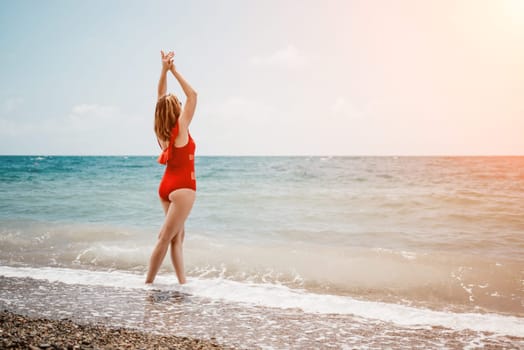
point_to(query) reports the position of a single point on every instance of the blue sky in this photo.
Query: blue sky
(330, 77)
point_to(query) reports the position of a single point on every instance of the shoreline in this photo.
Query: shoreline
(37, 313)
(24, 332)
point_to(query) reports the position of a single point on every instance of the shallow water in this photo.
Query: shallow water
(171, 311)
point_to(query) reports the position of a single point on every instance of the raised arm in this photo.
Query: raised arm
(191, 98)
(166, 63)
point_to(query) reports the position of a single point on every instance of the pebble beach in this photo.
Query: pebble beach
(22, 332)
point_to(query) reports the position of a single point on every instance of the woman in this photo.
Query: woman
(178, 185)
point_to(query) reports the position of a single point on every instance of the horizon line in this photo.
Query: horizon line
(267, 155)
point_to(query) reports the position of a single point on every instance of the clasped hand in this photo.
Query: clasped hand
(167, 60)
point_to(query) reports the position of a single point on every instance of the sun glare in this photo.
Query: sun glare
(514, 9)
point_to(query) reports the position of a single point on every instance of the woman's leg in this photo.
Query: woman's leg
(177, 257)
(182, 200)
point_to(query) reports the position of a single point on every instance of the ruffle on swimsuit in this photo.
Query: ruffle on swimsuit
(166, 153)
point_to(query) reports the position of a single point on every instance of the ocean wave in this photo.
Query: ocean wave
(437, 280)
(278, 296)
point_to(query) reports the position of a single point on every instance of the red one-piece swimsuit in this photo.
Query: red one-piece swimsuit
(180, 166)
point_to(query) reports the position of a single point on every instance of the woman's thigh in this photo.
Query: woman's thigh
(181, 204)
(165, 205)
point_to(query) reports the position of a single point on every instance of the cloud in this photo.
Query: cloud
(244, 110)
(93, 117)
(81, 118)
(86, 129)
(94, 109)
(236, 124)
(234, 106)
(341, 107)
(12, 103)
(287, 57)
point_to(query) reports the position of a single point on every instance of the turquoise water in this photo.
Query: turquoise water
(437, 232)
(80, 189)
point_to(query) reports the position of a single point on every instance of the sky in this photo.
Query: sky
(286, 77)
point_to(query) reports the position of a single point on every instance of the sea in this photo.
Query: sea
(281, 252)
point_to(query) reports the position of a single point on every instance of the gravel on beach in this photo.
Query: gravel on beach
(22, 332)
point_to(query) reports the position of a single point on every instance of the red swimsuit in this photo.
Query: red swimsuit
(180, 169)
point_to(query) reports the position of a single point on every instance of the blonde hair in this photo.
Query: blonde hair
(167, 111)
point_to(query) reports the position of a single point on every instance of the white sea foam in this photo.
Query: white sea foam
(272, 295)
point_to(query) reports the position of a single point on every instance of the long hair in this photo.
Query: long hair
(167, 111)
